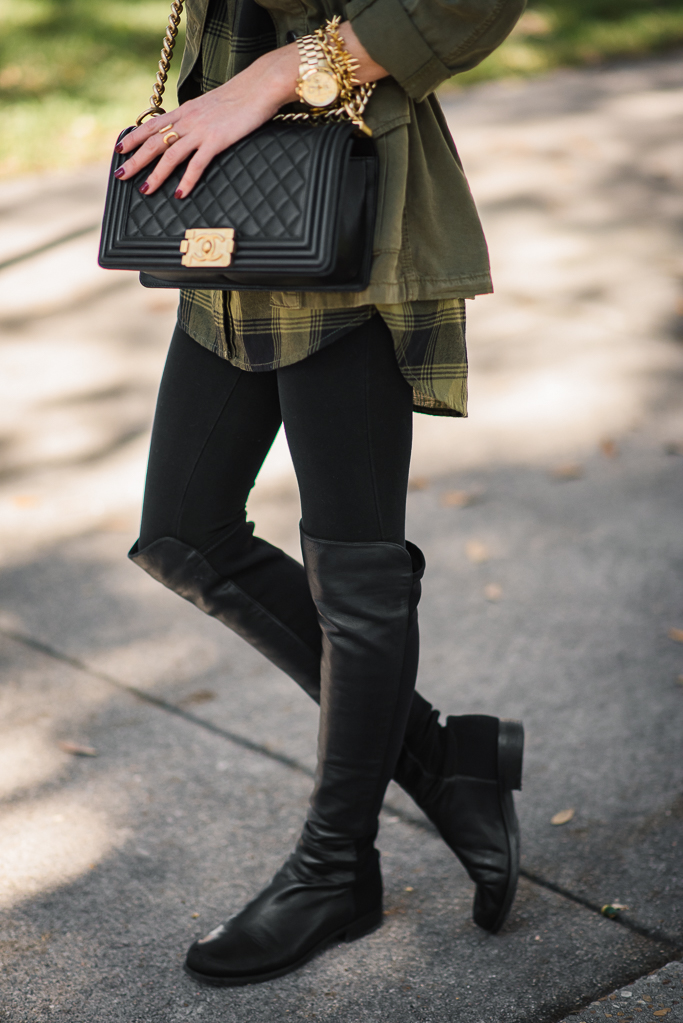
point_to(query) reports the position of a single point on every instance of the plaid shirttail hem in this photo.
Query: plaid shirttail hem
(429, 338)
(431, 351)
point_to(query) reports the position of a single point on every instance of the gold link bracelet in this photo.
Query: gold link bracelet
(353, 97)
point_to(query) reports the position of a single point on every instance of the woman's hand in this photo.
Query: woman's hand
(212, 122)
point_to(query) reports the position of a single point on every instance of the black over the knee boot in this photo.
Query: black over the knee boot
(330, 888)
(188, 573)
(461, 774)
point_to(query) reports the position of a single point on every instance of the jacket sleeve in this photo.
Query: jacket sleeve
(421, 43)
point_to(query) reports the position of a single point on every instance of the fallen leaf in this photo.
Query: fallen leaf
(568, 471)
(676, 634)
(409, 889)
(660, 1012)
(459, 498)
(492, 591)
(680, 679)
(76, 749)
(674, 447)
(609, 447)
(418, 483)
(25, 500)
(200, 696)
(477, 551)
(562, 817)
(195, 916)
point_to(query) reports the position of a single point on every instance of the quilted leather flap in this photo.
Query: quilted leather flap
(262, 186)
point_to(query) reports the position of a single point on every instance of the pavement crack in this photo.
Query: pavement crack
(154, 701)
(673, 944)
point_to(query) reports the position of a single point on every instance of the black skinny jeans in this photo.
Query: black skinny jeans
(347, 413)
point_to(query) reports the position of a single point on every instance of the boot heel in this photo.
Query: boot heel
(510, 754)
(366, 924)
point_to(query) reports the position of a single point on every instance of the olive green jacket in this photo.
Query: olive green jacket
(428, 240)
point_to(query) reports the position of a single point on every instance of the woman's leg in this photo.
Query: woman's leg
(348, 415)
(354, 402)
(213, 427)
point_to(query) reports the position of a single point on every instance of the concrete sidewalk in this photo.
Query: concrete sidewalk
(551, 523)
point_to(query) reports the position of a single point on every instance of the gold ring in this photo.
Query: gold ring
(167, 128)
(171, 137)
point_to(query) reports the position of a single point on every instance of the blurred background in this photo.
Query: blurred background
(72, 72)
(550, 520)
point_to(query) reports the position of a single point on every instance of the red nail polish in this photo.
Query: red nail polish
(144, 188)
(119, 173)
(119, 147)
(178, 194)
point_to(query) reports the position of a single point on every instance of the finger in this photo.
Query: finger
(145, 131)
(148, 151)
(173, 156)
(196, 167)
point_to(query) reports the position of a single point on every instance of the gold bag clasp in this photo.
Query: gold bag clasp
(208, 246)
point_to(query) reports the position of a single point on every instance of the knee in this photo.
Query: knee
(233, 549)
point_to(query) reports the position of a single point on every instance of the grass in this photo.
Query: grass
(561, 33)
(74, 72)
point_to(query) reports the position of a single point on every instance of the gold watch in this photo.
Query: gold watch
(317, 84)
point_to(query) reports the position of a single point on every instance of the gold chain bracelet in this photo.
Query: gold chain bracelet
(353, 96)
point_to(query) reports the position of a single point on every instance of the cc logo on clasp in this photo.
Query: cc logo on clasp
(208, 246)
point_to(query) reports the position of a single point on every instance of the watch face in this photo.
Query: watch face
(319, 89)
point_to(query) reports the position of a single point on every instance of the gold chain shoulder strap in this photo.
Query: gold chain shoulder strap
(155, 108)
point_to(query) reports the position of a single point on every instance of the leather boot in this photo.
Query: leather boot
(453, 776)
(462, 775)
(187, 572)
(330, 888)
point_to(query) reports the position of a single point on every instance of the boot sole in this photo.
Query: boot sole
(510, 757)
(512, 832)
(358, 929)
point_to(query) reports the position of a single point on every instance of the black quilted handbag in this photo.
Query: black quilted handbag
(291, 207)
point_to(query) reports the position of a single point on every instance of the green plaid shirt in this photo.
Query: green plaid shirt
(256, 331)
